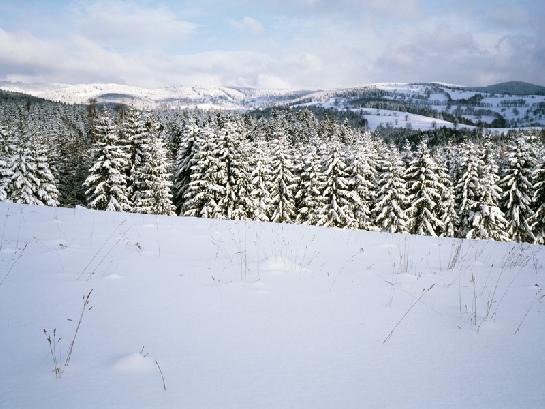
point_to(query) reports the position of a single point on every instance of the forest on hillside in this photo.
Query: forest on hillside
(285, 166)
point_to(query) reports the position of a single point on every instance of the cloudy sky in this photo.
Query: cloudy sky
(275, 44)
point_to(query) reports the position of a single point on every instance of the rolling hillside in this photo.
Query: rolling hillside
(507, 105)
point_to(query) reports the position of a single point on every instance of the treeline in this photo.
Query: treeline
(286, 167)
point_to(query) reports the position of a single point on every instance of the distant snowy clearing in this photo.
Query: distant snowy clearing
(198, 313)
(396, 119)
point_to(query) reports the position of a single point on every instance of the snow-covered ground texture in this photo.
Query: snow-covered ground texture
(261, 315)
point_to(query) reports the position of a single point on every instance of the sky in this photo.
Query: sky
(311, 44)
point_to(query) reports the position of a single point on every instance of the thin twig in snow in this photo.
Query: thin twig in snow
(537, 298)
(424, 292)
(12, 266)
(85, 304)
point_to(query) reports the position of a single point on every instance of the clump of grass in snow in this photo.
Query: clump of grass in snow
(53, 340)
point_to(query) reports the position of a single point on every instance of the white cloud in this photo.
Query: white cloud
(247, 23)
(24, 57)
(351, 8)
(130, 24)
(317, 49)
(443, 54)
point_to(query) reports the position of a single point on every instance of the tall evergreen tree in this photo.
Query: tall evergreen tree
(184, 159)
(424, 193)
(23, 184)
(311, 186)
(31, 180)
(489, 222)
(447, 205)
(339, 198)
(6, 152)
(234, 201)
(363, 172)
(468, 190)
(392, 198)
(538, 220)
(137, 139)
(47, 191)
(203, 193)
(259, 194)
(107, 184)
(151, 178)
(517, 191)
(282, 181)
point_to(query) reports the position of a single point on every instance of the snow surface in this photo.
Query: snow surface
(262, 315)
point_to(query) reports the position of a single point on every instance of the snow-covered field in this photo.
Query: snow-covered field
(396, 119)
(260, 315)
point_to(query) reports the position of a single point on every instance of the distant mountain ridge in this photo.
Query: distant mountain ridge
(422, 105)
(511, 87)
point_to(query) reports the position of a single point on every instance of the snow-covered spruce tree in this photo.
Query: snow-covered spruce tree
(6, 153)
(424, 193)
(311, 186)
(392, 197)
(448, 203)
(234, 201)
(538, 220)
(468, 189)
(151, 178)
(202, 195)
(47, 191)
(106, 184)
(23, 183)
(31, 180)
(259, 195)
(282, 181)
(186, 151)
(339, 199)
(517, 190)
(489, 221)
(137, 139)
(363, 173)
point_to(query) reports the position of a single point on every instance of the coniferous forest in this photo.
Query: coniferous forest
(284, 166)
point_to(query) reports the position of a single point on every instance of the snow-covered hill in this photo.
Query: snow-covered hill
(219, 314)
(443, 104)
(167, 97)
(447, 103)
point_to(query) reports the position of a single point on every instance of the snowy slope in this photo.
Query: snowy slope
(260, 315)
(396, 119)
(147, 98)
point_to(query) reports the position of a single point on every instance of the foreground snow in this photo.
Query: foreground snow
(259, 315)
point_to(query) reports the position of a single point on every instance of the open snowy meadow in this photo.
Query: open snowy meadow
(177, 312)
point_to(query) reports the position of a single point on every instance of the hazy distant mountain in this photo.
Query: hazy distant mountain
(511, 87)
